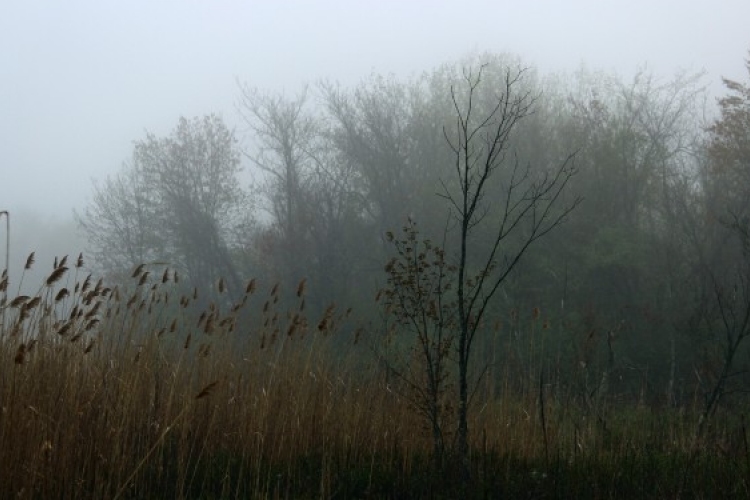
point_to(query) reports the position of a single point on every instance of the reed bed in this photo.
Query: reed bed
(156, 390)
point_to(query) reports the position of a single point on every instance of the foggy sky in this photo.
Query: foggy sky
(81, 80)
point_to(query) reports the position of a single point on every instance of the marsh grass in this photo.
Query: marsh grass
(134, 392)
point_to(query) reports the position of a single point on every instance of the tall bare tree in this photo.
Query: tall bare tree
(527, 208)
(499, 209)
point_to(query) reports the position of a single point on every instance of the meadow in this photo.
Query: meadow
(156, 390)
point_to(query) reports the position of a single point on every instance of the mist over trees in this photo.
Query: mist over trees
(178, 202)
(642, 295)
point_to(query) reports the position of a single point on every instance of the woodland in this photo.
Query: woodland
(478, 282)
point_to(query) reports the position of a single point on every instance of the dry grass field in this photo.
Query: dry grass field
(139, 393)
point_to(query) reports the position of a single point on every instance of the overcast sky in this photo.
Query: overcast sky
(81, 80)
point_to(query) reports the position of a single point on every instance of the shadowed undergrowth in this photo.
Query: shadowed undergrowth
(138, 392)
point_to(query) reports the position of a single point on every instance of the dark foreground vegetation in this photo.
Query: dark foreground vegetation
(477, 284)
(128, 393)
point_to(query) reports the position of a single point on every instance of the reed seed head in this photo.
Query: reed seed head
(29, 261)
(138, 270)
(56, 275)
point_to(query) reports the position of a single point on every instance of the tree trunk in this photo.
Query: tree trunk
(463, 410)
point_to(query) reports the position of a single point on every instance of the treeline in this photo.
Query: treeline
(642, 295)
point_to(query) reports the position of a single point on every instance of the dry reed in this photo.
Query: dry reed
(134, 396)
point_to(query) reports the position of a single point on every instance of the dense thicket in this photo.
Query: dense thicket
(639, 296)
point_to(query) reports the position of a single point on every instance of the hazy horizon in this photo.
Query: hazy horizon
(83, 80)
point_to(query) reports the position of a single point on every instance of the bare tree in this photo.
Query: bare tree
(498, 209)
(121, 223)
(528, 207)
(373, 131)
(177, 202)
(286, 138)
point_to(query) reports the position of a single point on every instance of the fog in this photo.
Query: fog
(366, 248)
(81, 80)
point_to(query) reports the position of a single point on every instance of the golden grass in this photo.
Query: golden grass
(115, 392)
(129, 392)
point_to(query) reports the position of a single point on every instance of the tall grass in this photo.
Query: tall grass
(133, 392)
